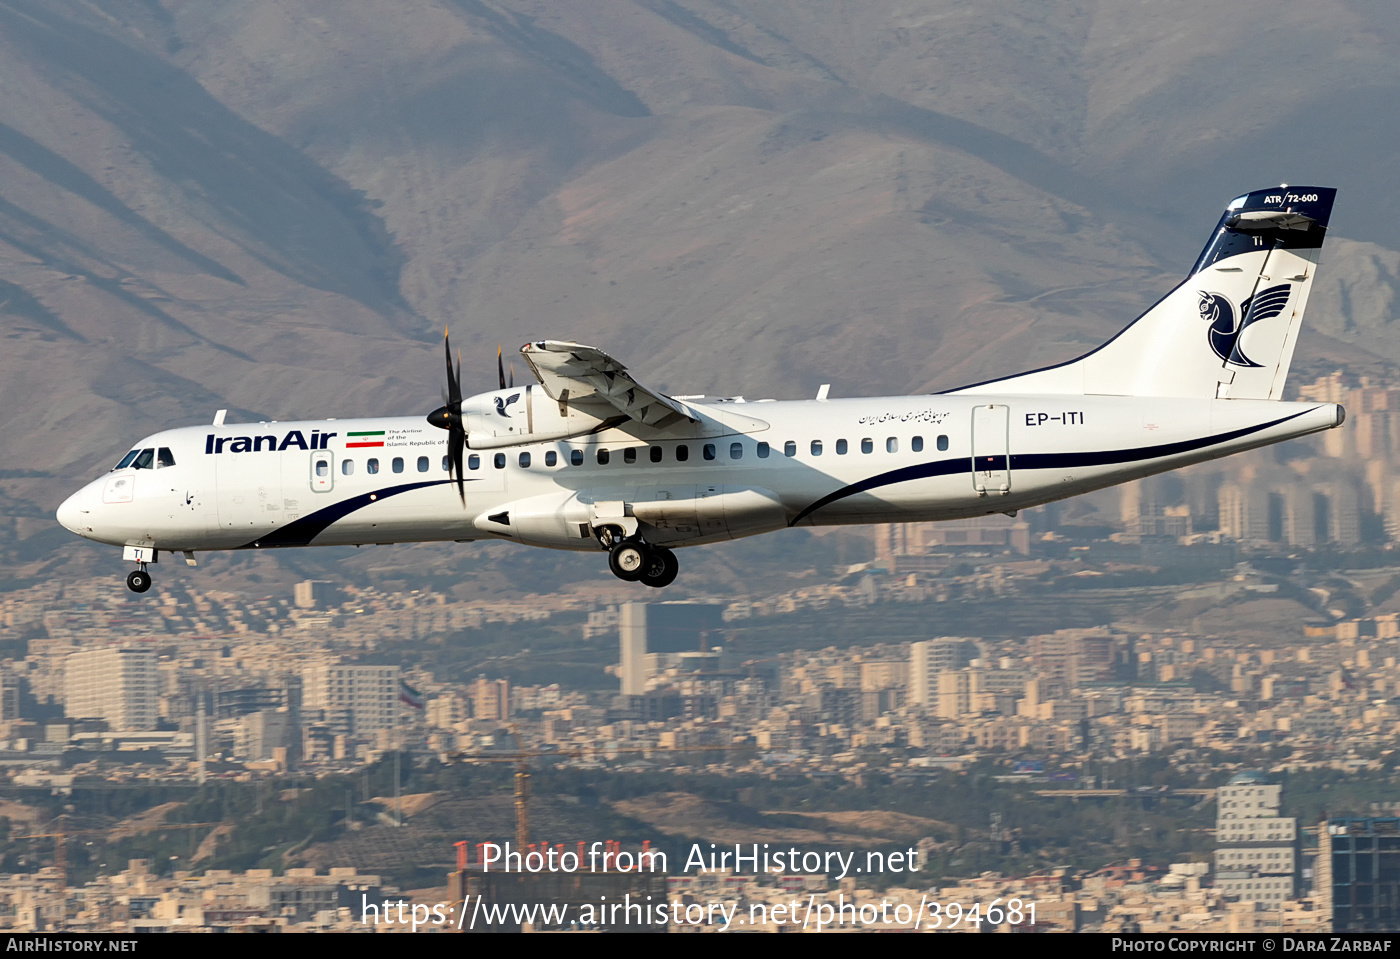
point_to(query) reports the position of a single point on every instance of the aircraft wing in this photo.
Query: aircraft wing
(574, 373)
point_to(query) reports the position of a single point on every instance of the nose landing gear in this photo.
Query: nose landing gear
(633, 560)
(139, 580)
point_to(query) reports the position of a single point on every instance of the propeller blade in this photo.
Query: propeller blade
(500, 367)
(456, 441)
(512, 374)
(454, 378)
(449, 417)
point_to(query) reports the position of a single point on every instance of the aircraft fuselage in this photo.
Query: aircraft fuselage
(814, 462)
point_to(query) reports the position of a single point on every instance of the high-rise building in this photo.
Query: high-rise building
(361, 699)
(257, 736)
(313, 594)
(9, 698)
(1256, 854)
(1145, 513)
(1343, 514)
(118, 684)
(490, 698)
(1357, 879)
(653, 637)
(931, 657)
(1244, 512)
(1299, 516)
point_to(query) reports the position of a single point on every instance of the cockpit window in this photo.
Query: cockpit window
(164, 458)
(145, 461)
(126, 460)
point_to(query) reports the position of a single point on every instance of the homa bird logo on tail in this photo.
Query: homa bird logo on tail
(1224, 333)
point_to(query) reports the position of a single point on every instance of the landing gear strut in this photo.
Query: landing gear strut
(633, 560)
(138, 580)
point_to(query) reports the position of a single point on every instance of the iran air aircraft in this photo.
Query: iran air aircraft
(589, 458)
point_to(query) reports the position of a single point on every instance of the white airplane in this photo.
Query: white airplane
(590, 458)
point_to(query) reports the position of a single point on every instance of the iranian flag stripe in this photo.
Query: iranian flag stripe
(364, 438)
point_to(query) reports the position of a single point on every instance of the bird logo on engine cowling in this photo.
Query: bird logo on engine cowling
(503, 402)
(1224, 333)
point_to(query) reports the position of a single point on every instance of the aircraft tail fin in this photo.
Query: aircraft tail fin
(1228, 331)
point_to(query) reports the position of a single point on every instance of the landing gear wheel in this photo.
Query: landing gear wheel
(138, 581)
(660, 568)
(628, 559)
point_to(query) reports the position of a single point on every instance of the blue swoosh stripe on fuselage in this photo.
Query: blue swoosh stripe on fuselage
(302, 531)
(1033, 461)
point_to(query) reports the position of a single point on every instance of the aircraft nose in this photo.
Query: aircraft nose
(71, 514)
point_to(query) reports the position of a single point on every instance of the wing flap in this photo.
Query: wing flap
(574, 373)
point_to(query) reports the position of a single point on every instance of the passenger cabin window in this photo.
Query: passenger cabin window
(603, 457)
(816, 447)
(422, 464)
(127, 460)
(499, 461)
(323, 468)
(867, 445)
(682, 453)
(943, 442)
(840, 447)
(736, 451)
(709, 451)
(347, 467)
(524, 460)
(891, 445)
(576, 457)
(551, 458)
(165, 458)
(655, 454)
(762, 451)
(397, 464)
(473, 462)
(372, 466)
(790, 448)
(444, 464)
(629, 455)
(917, 444)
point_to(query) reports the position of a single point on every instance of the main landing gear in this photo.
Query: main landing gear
(634, 560)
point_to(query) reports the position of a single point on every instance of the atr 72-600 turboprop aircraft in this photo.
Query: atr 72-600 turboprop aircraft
(590, 458)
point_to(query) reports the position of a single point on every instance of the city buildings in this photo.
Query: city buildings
(1256, 855)
(116, 684)
(1358, 873)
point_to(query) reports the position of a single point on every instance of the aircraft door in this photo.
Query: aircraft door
(322, 471)
(250, 492)
(991, 454)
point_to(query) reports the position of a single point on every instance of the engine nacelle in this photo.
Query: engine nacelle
(526, 414)
(666, 515)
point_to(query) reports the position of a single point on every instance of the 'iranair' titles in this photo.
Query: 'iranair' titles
(293, 440)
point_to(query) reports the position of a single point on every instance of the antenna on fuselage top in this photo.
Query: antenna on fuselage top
(219, 417)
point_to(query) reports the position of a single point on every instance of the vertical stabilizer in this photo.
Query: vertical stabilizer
(1229, 330)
